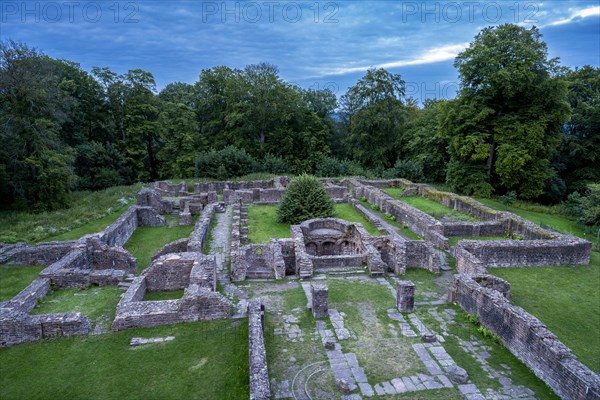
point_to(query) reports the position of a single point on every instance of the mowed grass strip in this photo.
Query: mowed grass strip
(436, 209)
(146, 240)
(207, 360)
(94, 302)
(263, 225)
(566, 299)
(395, 192)
(14, 278)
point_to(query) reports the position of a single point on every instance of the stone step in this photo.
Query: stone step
(124, 285)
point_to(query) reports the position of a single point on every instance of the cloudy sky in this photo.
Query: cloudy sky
(314, 44)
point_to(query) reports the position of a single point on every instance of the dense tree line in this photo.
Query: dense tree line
(520, 124)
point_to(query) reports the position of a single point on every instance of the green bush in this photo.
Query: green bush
(229, 162)
(274, 165)
(331, 167)
(407, 169)
(305, 198)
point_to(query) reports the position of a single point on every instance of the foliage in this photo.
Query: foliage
(373, 115)
(226, 163)
(407, 169)
(590, 206)
(305, 198)
(333, 167)
(509, 198)
(274, 165)
(506, 122)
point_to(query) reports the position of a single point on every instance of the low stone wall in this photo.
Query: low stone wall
(119, 232)
(526, 337)
(149, 197)
(42, 254)
(170, 272)
(200, 301)
(474, 256)
(219, 187)
(257, 354)
(238, 270)
(18, 327)
(172, 189)
(200, 233)
(177, 246)
(489, 228)
(27, 298)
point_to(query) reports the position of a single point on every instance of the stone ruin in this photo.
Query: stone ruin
(315, 246)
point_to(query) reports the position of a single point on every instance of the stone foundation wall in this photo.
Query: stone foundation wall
(527, 338)
(170, 272)
(17, 327)
(27, 298)
(42, 254)
(200, 233)
(475, 256)
(238, 270)
(257, 354)
(177, 246)
(174, 189)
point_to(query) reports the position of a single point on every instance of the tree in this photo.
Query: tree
(180, 138)
(509, 113)
(373, 114)
(305, 198)
(36, 166)
(579, 152)
(427, 144)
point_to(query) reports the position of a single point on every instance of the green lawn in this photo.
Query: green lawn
(560, 223)
(395, 192)
(145, 240)
(436, 209)
(88, 212)
(454, 239)
(347, 212)
(163, 295)
(263, 225)
(94, 302)
(207, 360)
(566, 299)
(403, 229)
(14, 278)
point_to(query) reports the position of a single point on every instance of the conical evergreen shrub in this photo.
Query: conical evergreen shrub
(305, 198)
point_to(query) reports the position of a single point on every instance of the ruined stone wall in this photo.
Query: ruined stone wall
(304, 264)
(327, 262)
(170, 272)
(204, 273)
(257, 354)
(270, 196)
(200, 233)
(172, 189)
(528, 339)
(177, 246)
(198, 304)
(490, 228)
(219, 187)
(289, 255)
(238, 266)
(119, 232)
(473, 255)
(27, 298)
(73, 270)
(42, 254)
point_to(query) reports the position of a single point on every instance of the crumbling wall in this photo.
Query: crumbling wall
(170, 272)
(177, 246)
(473, 255)
(200, 233)
(257, 354)
(527, 338)
(42, 254)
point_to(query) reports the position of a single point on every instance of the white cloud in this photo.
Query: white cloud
(436, 54)
(583, 13)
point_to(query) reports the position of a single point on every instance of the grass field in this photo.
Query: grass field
(94, 302)
(89, 212)
(566, 299)
(395, 192)
(455, 239)
(207, 360)
(163, 295)
(14, 278)
(436, 209)
(146, 240)
(263, 225)
(403, 229)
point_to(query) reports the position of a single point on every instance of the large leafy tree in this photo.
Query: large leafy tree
(373, 114)
(579, 156)
(507, 120)
(35, 166)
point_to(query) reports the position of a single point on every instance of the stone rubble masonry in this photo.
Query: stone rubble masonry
(198, 237)
(525, 336)
(539, 247)
(474, 256)
(320, 300)
(185, 216)
(261, 261)
(405, 299)
(178, 246)
(259, 373)
(171, 189)
(238, 268)
(194, 272)
(149, 197)
(42, 254)
(17, 326)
